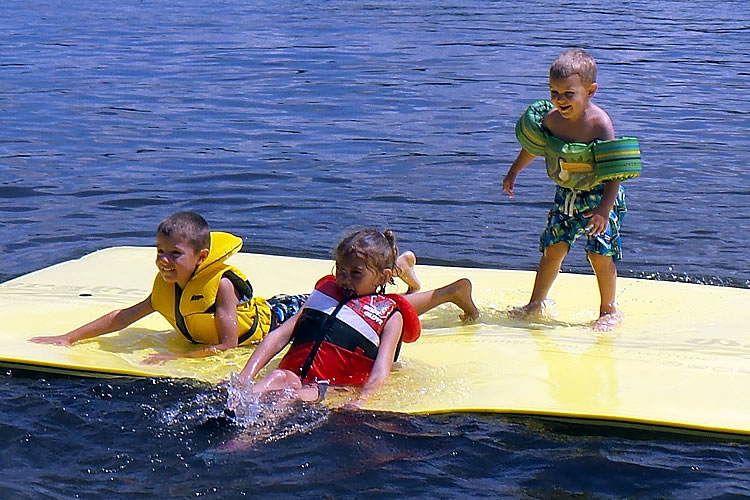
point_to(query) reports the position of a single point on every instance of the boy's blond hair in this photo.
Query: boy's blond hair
(189, 226)
(572, 62)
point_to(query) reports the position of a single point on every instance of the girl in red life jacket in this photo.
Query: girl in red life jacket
(349, 331)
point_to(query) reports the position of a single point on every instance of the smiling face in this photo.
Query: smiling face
(570, 96)
(355, 278)
(176, 260)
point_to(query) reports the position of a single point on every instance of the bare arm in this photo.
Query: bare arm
(384, 360)
(269, 347)
(226, 326)
(110, 322)
(599, 216)
(521, 161)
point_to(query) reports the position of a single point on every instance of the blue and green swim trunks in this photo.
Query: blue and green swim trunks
(284, 307)
(565, 222)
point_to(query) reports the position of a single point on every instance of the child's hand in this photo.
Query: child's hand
(598, 221)
(509, 182)
(158, 359)
(62, 340)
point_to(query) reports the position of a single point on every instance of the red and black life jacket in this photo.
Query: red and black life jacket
(338, 340)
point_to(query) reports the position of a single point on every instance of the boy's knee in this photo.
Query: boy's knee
(292, 380)
(557, 251)
(597, 259)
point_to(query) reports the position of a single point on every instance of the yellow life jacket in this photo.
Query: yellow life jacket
(577, 165)
(192, 311)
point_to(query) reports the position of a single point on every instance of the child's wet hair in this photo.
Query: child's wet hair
(378, 249)
(574, 62)
(189, 226)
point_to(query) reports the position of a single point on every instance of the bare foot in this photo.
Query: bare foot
(607, 322)
(530, 310)
(405, 265)
(461, 296)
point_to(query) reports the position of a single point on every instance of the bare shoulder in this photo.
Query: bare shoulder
(601, 123)
(394, 325)
(227, 293)
(555, 123)
(551, 118)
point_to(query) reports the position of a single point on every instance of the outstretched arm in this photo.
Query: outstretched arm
(521, 161)
(110, 322)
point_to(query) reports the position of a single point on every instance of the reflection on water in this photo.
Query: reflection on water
(289, 127)
(585, 379)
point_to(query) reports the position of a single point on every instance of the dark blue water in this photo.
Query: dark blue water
(290, 123)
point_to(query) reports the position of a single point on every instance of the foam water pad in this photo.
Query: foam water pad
(680, 357)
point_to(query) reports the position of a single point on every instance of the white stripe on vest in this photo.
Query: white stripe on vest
(319, 301)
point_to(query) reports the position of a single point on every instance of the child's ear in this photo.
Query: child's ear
(387, 276)
(202, 255)
(592, 89)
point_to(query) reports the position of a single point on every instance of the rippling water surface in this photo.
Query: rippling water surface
(289, 123)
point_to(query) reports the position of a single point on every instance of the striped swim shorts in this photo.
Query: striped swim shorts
(284, 307)
(565, 222)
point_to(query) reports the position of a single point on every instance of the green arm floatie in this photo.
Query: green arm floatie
(576, 165)
(618, 159)
(529, 131)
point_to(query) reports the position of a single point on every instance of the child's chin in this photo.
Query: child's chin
(169, 279)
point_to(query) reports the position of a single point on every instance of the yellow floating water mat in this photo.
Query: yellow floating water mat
(680, 358)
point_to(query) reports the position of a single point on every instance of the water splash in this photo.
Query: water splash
(690, 278)
(264, 418)
(253, 419)
(197, 410)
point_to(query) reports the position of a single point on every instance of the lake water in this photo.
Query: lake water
(290, 123)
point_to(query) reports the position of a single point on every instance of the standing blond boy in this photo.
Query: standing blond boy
(587, 163)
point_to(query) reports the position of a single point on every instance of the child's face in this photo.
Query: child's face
(176, 260)
(570, 96)
(355, 278)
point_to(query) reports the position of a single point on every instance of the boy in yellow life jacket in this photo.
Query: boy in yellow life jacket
(208, 301)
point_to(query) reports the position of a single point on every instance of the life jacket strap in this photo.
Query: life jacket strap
(324, 329)
(178, 318)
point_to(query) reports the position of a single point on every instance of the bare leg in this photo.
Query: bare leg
(549, 267)
(606, 278)
(277, 380)
(284, 379)
(405, 266)
(458, 292)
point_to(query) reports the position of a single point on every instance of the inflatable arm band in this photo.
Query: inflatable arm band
(617, 159)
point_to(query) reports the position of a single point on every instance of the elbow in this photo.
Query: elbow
(116, 321)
